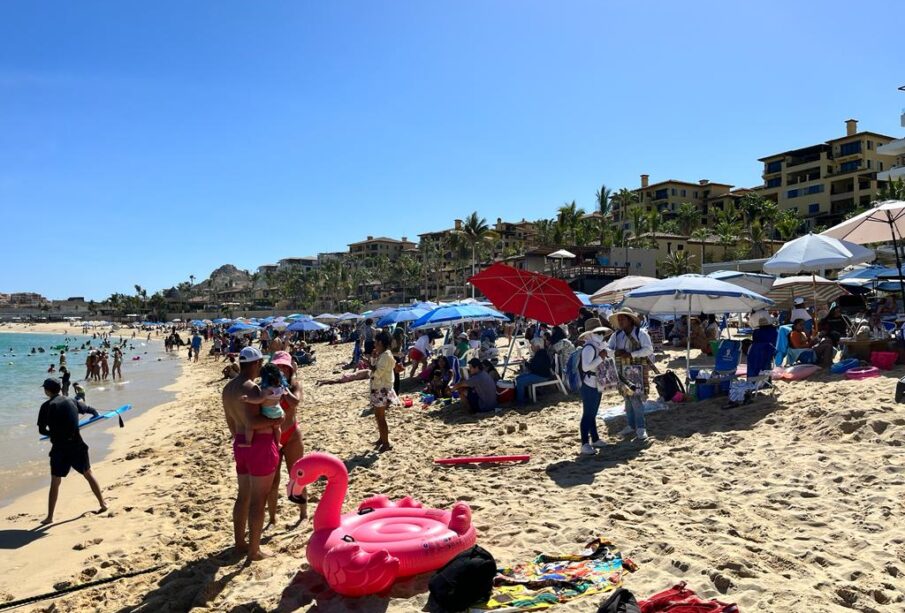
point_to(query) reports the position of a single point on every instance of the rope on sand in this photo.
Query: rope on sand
(75, 588)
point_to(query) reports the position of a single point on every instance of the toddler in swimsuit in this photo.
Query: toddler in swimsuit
(273, 386)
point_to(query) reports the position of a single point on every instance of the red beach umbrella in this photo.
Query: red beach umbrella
(529, 294)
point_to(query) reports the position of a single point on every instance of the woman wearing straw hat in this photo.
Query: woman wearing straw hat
(632, 347)
(592, 356)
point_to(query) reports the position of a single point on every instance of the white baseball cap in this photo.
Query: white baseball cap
(250, 354)
(798, 301)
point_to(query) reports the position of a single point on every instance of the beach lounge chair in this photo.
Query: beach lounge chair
(556, 380)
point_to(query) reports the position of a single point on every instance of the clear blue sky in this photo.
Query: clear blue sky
(141, 142)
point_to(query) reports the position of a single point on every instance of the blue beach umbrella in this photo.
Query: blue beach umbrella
(584, 298)
(457, 313)
(306, 325)
(402, 314)
(241, 328)
(222, 320)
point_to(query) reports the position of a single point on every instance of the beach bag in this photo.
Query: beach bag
(620, 601)
(678, 599)
(668, 385)
(465, 580)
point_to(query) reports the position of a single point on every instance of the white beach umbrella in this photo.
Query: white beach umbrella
(691, 295)
(816, 253)
(884, 222)
(613, 293)
(755, 281)
(562, 254)
(786, 289)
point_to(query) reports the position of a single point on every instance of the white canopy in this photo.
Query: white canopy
(562, 254)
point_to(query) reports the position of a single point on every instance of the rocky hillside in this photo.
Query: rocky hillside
(226, 277)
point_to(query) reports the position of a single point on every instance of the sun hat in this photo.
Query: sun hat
(614, 318)
(592, 325)
(761, 318)
(281, 358)
(250, 354)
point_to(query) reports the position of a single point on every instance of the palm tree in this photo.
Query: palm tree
(638, 222)
(892, 190)
(675, 264)
(688, 217)
(787, 224)
(475, 231)
(569, 217)
(603, 197)
(702, 234)
(543, 232)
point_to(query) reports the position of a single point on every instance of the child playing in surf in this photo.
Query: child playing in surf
(273, 386)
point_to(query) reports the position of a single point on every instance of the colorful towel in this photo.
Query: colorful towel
(553, 579)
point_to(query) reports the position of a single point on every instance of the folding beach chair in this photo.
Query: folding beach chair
(728, 355)
(556, 380)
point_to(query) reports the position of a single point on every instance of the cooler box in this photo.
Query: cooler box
(884, 360)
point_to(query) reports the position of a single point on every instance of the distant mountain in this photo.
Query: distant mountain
(226, 277)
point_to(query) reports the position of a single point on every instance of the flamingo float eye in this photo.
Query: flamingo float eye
(299, 473)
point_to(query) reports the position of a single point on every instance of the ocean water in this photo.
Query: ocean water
(24, 463)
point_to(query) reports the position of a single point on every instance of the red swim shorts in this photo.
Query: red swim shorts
(415, 355)
(260, 459)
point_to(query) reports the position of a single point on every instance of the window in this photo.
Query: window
(696, 194)
(680, 247)
(849, 166)
(870, 145)
(660, 194)
(792, 193)
(673, 191)
(813, 208)
(772, 167)
(868, 163)
(881, 165)
(774, 182)
(668, 247)
(683, 193)
(850, 148)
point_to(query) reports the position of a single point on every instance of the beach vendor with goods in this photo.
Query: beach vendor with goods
(255, 463)
(58, 418)
(593, 355)
(631, 346)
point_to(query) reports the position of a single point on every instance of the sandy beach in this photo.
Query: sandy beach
(792, 504)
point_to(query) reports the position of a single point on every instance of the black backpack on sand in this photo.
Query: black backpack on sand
(465, 580)
(668, 384)
(620, 601)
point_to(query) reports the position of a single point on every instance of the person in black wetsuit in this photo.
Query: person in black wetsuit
(59, 419)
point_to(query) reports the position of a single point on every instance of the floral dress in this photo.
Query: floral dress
(382, 393)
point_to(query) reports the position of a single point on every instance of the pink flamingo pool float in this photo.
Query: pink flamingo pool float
(366, 551)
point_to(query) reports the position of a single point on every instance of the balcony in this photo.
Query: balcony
(805, 159)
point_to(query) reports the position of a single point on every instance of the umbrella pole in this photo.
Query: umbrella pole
(895, 247)
(688, 342)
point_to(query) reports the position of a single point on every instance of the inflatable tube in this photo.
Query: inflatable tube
(865, 372)
(364, 552)
(100, 417)
(491, 459)
(844, 365)
(799, 372)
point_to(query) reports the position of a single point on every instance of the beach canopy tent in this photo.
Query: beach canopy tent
(813, 288)
(403, 314)
(453, 314)
(884, 222)
(614, 292)
(754, 281)
(529, 294)
(306, 325)
(241, 328)
(692, 295)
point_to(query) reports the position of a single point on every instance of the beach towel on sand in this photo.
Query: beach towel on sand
(549, 580)
(679, 599)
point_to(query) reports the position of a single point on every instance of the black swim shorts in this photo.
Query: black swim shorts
(66, 456)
